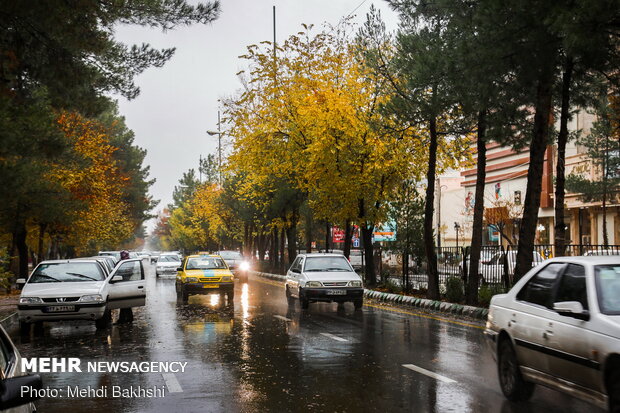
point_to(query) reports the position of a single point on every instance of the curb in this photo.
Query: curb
(441, 306)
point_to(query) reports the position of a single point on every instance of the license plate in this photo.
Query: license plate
(336, 292)
(210, 286)
(60, 308)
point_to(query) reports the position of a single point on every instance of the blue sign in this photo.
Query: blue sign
(356, 242)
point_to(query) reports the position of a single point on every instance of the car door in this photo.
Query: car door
(293, 275)
(131, 290)
(571, 341)
(531, 318)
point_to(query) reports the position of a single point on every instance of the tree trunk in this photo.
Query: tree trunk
(327, 234)
(369, 264)
(291, 234)
(22, 249)
(348, 235)
(261, 246)
(605, 176)
(429, 243)
(282, 239)
(527, 232)
(309, 232)
(476, 237)
(560, 170)
(246, 239)
(40, 252)
(273, 254)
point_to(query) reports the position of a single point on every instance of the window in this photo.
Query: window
(573, 285)
(206, 263)
(538, 289)
(608, 288)
(333, 263)
(67, 272)
(296, 264)
(130, 271)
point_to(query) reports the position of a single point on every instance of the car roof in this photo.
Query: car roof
(589, 260)
(65, 261)
(203, 255)
(320, 254)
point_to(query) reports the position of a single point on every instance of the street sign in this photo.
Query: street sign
(356, 242)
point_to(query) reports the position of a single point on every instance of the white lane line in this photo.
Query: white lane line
(428, 373)
(333, 337)
(172, 383)
(247, 323)
(279, 317)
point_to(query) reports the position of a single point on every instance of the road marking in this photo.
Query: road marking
(247, 323)
(172, 383)
(396, 310)
(428, 373)
(333, 337)
(276, 283)
(282, 318)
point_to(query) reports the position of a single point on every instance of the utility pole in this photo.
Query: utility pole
(200, 169)
(219, 148)
(274, 34)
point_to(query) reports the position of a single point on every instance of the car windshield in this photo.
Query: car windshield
(67, 272)
(168, 258)
(327, 264)
(230, 255)
(608, 288)
(205, 263)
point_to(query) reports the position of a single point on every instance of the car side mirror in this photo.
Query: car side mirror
(179, 269)
(295, 270)
(11, 390)
(571, 309)
(20, 282)
(116, 279)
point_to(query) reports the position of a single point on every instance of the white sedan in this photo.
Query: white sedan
(559, 326)
(79, 289)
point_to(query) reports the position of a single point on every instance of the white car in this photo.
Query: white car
(79, 289)
(167, 264)
(13, 379)
(493, 269)
(323, 277)
(559, 326)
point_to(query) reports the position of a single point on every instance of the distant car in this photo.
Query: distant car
(234, 260)
(167, 264)
(323, 277)
(115, 254)
(356, 259)
(79, 289)
(494, 267)
(602, 252)
(13, 379)
(203, 274)
(108, 262)
(559, 326)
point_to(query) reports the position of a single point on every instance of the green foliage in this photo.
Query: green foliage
(455, 289)
(5, 273)
(487, 291)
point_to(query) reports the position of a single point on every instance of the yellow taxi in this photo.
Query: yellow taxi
(203, 274)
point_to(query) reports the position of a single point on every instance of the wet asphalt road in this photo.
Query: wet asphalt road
(262, 355)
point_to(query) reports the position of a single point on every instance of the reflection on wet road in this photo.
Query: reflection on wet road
(259, 354)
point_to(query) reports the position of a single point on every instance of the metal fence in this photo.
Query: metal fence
(497, 263)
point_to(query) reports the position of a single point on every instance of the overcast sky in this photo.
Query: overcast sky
(178, 103)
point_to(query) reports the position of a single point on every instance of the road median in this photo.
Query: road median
(410, 301)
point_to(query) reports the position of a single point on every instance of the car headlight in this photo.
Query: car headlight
(226, 278)
(244, 266)
(92, 297)
(191, 280)
(355, 284)
(311, 284)
(30, 300)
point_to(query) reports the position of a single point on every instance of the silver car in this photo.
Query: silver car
(559, 326)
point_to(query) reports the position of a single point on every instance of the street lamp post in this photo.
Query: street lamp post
(457, 227)
(219, 146)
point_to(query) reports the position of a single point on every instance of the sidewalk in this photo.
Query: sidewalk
(458, 310)
(8, 310)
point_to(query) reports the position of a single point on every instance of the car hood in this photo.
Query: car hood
(207, 273)
(62, 289)
(332, 276)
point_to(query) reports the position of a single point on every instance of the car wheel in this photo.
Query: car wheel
(613, 389)
(184, 295)
(104, 321)
(24, 328)
(358, 303)
(230, 297)
(510, 380)
(305, 303)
